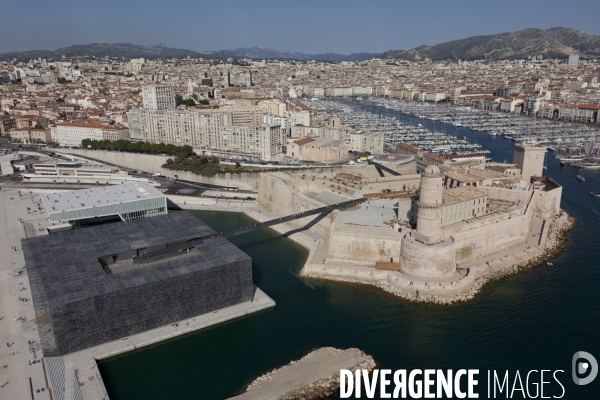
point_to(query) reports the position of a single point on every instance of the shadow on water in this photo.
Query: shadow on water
(536, 319)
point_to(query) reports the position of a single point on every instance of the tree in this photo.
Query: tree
(188, 102)
(187, 149)
(170, 161)
(38, 126)
(60, 100)
(238, 165)
(214, 160)
(205, 102)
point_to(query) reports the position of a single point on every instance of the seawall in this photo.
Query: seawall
(314, 376)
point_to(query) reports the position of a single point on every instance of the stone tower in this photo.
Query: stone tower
(530, 159)
(429, 205)
(427, 254)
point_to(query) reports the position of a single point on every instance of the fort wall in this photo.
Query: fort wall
(284, 198)
(427, 261)
(363, 245)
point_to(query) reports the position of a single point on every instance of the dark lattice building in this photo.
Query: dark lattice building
(97, 284)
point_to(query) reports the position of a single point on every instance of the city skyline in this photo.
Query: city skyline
(312, 28)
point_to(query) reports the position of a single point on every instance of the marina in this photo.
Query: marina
(556, 135)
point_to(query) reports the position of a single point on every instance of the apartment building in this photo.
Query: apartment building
(262, 142)
(158, 97)
(584, 113)
(299, 118)
(72, 133)
(315, 92)
(273, 107)
(31, 135)
(365, 142)
(199, 129)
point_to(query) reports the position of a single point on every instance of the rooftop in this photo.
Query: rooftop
(64, 267)
(461, 194)
(85, 198)
(464, 176)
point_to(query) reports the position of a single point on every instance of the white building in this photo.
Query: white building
(532, 105)
(262, 142)
(365, 142)
(573, 60)
(72, 133)
(340, 91)
(299, 118)
(284, 123)
(178, 127)
(315, 92)
(362, 91)
(158, 97)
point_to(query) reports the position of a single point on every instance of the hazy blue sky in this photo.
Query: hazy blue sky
(305, 26)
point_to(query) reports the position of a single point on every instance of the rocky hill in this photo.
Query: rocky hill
(260, 52)
(127, 50)
(554, 42)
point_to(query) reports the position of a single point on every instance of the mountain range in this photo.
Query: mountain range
(550, 43)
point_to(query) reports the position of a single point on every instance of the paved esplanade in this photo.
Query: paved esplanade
(23, 377)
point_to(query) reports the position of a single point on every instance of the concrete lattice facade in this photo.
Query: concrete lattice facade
(80, 303)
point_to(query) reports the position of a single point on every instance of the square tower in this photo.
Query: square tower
(530, 159)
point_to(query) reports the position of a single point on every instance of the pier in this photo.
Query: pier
(316, 375)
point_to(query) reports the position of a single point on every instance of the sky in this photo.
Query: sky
(306, 26)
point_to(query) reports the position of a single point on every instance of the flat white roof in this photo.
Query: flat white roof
(86, 198)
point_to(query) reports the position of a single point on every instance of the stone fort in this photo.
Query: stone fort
(422, 228)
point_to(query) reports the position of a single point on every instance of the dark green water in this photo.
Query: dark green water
(534, 320)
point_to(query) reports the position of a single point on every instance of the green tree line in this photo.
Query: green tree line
(138, 147)
(198, 166)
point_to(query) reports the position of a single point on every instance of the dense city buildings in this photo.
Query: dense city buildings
(203, 102)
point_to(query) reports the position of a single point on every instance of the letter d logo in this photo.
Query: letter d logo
(583, 367)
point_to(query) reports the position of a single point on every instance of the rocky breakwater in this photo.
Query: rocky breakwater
(314, 376)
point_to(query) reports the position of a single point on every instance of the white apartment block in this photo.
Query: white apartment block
(299, 118)
(158, 97)
(365, 142)
(435, 96)
(316, 92)
(340, 91)
(71, 134)
(262, 142)
(273, 107)
(532, 105)
(362, 91)
(200, 130)
(573, 60)
(283, 122)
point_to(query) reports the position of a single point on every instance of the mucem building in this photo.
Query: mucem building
(94, 285)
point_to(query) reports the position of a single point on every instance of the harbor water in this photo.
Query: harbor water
(534, 320)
